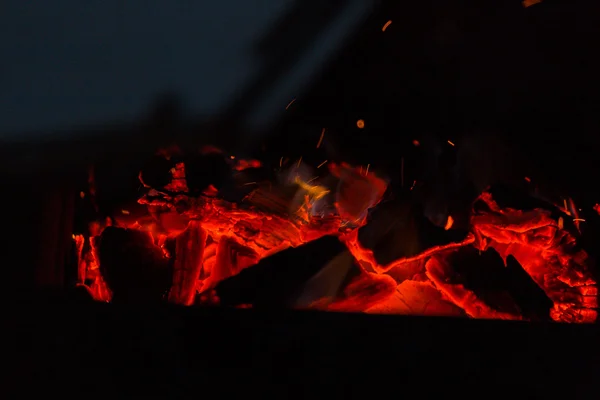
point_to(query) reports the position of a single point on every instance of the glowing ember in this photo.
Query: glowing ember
(529, 3)
(88, 271)
(208, 239)
(547, 252)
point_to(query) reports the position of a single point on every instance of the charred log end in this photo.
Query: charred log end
(134, 268)
(276, 280)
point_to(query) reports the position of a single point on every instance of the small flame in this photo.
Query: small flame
(316, 192)
(449, 223)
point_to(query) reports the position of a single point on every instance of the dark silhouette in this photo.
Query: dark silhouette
(80, 294)
(134, 269)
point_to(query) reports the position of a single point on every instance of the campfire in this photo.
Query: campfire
(510, 263)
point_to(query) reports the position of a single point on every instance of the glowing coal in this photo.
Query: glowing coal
(208, 239)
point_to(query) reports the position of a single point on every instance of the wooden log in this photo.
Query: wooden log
(189, 256)
(231, 259)
(546, 252)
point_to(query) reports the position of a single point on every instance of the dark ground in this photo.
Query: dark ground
(101, 350)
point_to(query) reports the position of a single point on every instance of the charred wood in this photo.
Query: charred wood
(276, 280)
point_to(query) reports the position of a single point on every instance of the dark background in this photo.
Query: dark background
(463, 68)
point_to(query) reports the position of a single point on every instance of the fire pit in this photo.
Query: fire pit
(206, 233)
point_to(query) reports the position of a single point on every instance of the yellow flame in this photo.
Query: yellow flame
(315, 192)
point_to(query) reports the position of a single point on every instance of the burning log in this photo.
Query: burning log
(417, 298)
(233, 250)
(326, 285)
(548, 253)
(357, 192)
(366, 257)
(189, 256)
(363, 292)
(228, 260)
(88, 269)
(276, 280)
(441, 273)
(244, 234)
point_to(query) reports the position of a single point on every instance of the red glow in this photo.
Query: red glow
(241, 165)
(548, 254)
(88, 273)
(216, 239)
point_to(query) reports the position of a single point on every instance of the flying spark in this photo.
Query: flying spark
(321, 138)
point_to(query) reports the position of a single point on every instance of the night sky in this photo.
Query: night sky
(67, 62)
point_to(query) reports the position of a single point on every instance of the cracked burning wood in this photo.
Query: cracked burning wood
(262, 232)
(218, 248)
(229, 259)
(189, 258)
(548, 254)
(440, 272)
